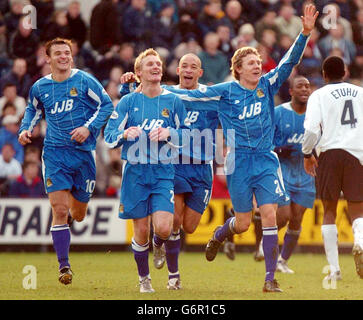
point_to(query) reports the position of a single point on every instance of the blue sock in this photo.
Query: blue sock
(270, 250)
(290, 242)
(172, 249)
(157, 241)
(141, 255)
(61, 241)
(226, 230)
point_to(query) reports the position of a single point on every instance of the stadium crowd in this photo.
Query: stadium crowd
(118, 30)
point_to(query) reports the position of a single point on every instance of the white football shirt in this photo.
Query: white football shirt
(335, 114)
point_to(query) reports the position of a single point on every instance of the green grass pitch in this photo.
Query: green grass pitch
(113, 276)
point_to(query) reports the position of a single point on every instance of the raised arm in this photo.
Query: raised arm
(277, 76)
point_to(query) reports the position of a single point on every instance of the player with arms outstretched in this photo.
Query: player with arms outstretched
(247, 107)
(76, 107)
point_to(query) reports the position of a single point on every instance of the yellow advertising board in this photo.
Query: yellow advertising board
(310, 233)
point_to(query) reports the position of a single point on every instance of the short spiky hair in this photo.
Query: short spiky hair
(55, 41)
(142, 55)
(239, 54)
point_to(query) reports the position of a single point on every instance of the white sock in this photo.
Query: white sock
(330, 236)
(357, 228)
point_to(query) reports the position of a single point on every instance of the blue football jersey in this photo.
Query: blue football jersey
(247, 116)
(289, 133)
(136, 109)
(202, 142)
(77, 101)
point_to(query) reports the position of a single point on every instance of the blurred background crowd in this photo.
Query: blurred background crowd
(107, 35)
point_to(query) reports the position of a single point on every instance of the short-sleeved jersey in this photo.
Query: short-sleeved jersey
(136, 109)
(289, 132)
(335, 112)
(77, 101)
(247, 115)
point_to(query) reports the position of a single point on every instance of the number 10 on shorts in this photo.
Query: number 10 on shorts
(90, 185)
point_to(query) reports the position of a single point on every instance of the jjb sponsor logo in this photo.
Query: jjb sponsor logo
(250, 111)
(296, 138)
(63, 106)
(192, 116)
(151, 124)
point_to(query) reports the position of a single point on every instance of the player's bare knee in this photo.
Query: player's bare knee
(78, 215)
(163, 231)
(188, 228)
(60, 210)
(241, 226)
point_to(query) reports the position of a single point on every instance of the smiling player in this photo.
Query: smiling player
(76, 107)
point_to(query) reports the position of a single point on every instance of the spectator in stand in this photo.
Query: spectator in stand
(8, 109)
(187, 26)
(4, 59)
(166, 36)
(266, 22)
(137, 25)
(112, 89)
(127, 57)
(10, 96)
(33, 154)
(9, 134)
(29, 184)
(215, 64)
(211, 16)
(287, 22)
(225, 45)
(234, 15)
(357, 28)
(105, 26)
(77, 26)
(23, 43)
(12, 17)
(10, 168)
(44, 10)
(356, 69)
(336, 39)
(267, 62)
(245, 37)
(261, 7)
(270, 40)
(58, 26)
(19, 76)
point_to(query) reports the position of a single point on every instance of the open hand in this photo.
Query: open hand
(309, 18)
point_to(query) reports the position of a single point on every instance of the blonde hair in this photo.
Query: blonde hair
(239, 54)
(140, 57)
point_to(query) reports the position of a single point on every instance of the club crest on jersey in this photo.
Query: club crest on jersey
(73, 92)
(260, 93)
(49, 182)
(165, 113)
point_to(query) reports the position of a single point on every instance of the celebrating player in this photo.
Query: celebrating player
(334, 118)
(247, 106)
(76, 107)
(142, 123)
(193, 181)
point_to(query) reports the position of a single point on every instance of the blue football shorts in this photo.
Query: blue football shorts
(145, 189)
(195, 182)
(304, 196)
(69, 169)
(254, 173)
